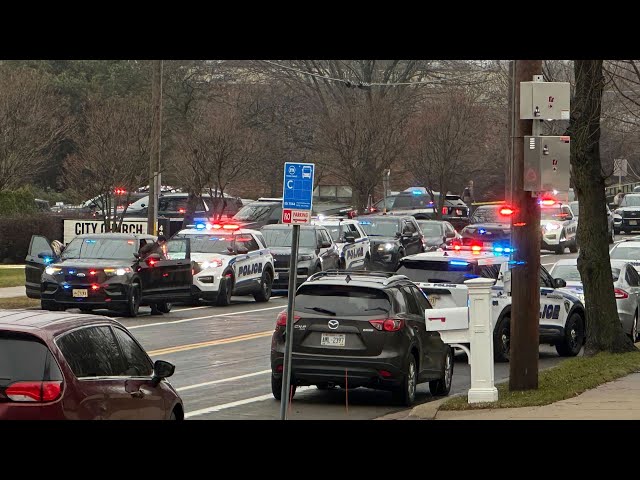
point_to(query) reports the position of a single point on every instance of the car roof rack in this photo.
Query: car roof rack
(388, 276)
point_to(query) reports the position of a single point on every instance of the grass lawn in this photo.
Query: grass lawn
(11, 277)
(19, 302)
(568, 379)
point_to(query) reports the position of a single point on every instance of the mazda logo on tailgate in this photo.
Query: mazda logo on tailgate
(333, 324)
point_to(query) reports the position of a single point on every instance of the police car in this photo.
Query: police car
(558, 227)
(229, 261)
(441, 276)
(351, 240)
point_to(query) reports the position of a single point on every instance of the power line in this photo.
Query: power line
(360, 84)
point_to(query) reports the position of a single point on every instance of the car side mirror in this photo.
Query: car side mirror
(559, 283)
(242, 250)
(349, 237)
(325, 244)
(161, 370)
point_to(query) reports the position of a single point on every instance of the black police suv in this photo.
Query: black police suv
(629, 211)
(488, 227)
(105, 271)
(316, 252)
(366, 329)
(392, 237)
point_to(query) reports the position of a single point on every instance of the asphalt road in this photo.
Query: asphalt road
(222, 363)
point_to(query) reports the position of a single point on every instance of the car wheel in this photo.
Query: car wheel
(342, 264)
(276, 388)
(133, 301)
(405, 395)
(634, 328)
(442, 386)
(164, 307)
(173, 416)
(611, 238)
(264, 294)
(225, 291)
(367, 263)
(573, 248)
(558, 249)
(502, 340)
(573, 337)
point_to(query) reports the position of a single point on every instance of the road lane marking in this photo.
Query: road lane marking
(203, 306)
(210, 343)
(223, 380)
(203, 318)
(237, 403)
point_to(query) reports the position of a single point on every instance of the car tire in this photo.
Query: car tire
(173, 415)
(634, 328)
(612, 238)
(367, 263)
(225, 291)
(558, 249)
(342, 264)
(164, 307)
(133, 301)
(573, 248)
(502, 339)
(266, 282)
(442, 386)
(405, 395)
(276, 388)
(573, 336)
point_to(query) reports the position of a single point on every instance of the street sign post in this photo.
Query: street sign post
(297, 202)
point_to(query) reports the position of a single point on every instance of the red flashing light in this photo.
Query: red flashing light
(620, 294)
(92, 272)
(476, 248)
(216, 226)
(151, 262)
(120, 191)
(547, 202)
(230, 227)
(457, 248)
(281, 321)
(34, 391)
(506, 211)
(444, 210)
(95, 287)
(181, 210)
(520, 224)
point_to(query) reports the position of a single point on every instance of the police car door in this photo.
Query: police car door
(355, 253)
(39, 256)
(327, 250)
(249, 263)
(176, 270)
(570, 224)
(553, 305)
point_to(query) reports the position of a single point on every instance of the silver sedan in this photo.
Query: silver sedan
(626, 285)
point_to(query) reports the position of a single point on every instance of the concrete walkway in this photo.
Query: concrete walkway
(9, 292)
(617, 400)
(11, 266)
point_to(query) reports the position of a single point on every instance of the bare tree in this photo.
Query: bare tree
(603, 329)
(33, 122)
(112, 153)
(215, 149)
(444, 137)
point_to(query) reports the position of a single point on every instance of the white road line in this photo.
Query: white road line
(189, 308)
(203, 318)
(230, 379)
(237, 403)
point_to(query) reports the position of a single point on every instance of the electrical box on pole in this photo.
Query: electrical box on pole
(547, 164)
(544, 100)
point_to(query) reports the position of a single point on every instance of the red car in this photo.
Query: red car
(56, 366)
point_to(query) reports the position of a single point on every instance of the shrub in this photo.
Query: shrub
(17, 202)
(16, 232)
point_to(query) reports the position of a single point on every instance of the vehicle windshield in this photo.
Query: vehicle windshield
(281, 237)
(453, 271)
(431, 229)
(253, 213)
(336, 232)
(380, 228)
(412, 201)
(101, 248)
(630, 201)
(488, 215)
(214, 243)
(341, 300)
(626, 253)
(552, 213)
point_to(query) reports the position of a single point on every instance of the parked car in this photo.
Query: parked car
(489, 227)
(365, 329)
(629, 212)
(392, 237)
(438, 234)
(57, 366)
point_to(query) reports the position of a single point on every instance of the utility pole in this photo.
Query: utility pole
(525, 237)
(155, 150)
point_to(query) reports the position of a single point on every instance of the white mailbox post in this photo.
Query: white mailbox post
(462, 327)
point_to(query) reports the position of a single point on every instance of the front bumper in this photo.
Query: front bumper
(552, 239)
(628, 224)
(105, 296)
(282, 282)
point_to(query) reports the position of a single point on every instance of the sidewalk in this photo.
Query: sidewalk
(9, 292)
(617, 400)
(11, 266)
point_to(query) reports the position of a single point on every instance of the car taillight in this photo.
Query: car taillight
(619, 293)
(387, 324)
(444, 210)
(33, 391)
(282, 319)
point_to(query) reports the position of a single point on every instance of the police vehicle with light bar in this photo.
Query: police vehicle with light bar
(351, 240)
(105, 271)
(489, 226)
(558, 227)
(229, 261)
(441, 276)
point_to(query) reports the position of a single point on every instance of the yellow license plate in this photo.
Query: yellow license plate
(80, 292)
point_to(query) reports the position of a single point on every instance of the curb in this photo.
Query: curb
(424, 411)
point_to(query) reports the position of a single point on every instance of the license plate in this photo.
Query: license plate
(433, 299)
(276, 276)
(333, 339)
(633, 222)
(80, 292)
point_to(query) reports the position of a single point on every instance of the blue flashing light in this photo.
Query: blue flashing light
(90, 241)
(517, 262)
(460, 263)
(498, 249)
(71, 272)
(200, 226)
(507, 250)
(364, 222)
(416, 192)
(47, 260)
(470, 275)
(66, 286)
(482, 231)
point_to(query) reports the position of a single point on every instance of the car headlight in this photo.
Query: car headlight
(581, 297)
(210, 264)
(304, 258)
(110, 272)
(386, 247)
(551, 226)
(52, 270)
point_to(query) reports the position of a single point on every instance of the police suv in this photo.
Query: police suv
(351, 240)
(558, 227)
(441, 277)
(229, 261)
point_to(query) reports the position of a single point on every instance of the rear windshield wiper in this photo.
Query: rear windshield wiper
(321, 310)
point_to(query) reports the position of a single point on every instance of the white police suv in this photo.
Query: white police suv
(351, 240)
(441, 277)
(558, 227)
(229, 261)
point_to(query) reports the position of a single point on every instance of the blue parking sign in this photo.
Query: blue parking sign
(297, 187)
